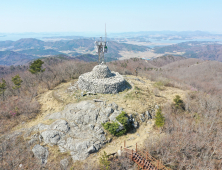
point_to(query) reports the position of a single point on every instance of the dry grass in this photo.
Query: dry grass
(138, 99)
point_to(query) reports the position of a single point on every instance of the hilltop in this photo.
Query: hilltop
(44, 102)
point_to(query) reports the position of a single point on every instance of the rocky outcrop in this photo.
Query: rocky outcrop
(77, 128)
(102, 80)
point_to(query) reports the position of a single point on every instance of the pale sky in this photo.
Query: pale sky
(119, 15)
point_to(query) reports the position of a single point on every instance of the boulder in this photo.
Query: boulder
(92, 149)
(41, 153)
(64, 164)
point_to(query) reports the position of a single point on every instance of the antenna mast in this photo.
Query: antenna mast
(105, 32)
(101, 48)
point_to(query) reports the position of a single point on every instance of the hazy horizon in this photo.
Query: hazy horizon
(20, 16)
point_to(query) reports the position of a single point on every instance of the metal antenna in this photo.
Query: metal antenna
(105, 32)
(101, 48)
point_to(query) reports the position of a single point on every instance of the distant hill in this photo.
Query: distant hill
(14, 58)
(29, 47)
(164, 60)
(201, 50)
(27, 43)
(40, 52)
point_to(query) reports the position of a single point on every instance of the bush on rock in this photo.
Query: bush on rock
(114, 127)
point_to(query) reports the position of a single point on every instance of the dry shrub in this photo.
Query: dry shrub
(192, 138)
(21, 104)
(122, 163)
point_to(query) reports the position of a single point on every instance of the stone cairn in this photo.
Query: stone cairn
(102, 80)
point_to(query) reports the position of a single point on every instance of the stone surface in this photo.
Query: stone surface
(64, 164)
(41, 153)
(78, 129)
(102, 80)
(51, 136)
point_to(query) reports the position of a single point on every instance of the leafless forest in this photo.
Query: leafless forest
(192, 135)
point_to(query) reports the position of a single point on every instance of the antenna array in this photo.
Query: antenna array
(101, 48)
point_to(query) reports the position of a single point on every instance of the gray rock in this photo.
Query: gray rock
(142, 117)
(41, 153)
(148, 115)
(109, 111)
(60, 125)
(51, 136)
(34, 139)
(42, 126)
(92, 149)
(64, 164)
(114, 115)
(114, 106)
(135, 125)
(81, 133)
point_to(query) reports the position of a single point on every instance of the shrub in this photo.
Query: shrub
(36, 67)
(113, 127)
(159, 120)
(178, 102)
(104, 162)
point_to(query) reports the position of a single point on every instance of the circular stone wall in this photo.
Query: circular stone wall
(102, 80)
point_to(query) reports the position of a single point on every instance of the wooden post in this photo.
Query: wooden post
(132, 156)
(121, 148)
(136, 147)
(124, 143)
(158, 164)
(142, 163)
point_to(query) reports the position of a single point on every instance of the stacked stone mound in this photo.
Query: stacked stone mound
(102, 80)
